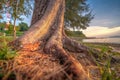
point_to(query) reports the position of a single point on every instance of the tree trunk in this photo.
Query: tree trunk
(46, 35)
(14, 29)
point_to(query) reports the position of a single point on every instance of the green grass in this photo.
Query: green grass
(103, 56)
(10, 33)
(75, 33)
(5, 51)
(19, 33)
(6, 55)
(102, 53)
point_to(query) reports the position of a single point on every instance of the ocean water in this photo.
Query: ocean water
(103, 40)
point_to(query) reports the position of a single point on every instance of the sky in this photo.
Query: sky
(106, 21)
(107, 12)
(107, 17)
(99, 31)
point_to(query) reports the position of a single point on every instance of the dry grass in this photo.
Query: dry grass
(39, 66)
(34, 66)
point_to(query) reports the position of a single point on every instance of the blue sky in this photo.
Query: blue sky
(106, 21)
(107, 18)
(107, 12)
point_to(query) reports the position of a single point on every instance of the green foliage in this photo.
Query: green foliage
(106, 71)
(18, 8)
(103, 58)
(2, 26)
(23, 26)
(6, 55)
(5, 51)
(19, 33)
(10, 31)
(77, 14)
(74, 33)
(1, 8)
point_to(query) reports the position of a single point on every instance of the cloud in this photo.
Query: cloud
(106, 22)
(98, 31)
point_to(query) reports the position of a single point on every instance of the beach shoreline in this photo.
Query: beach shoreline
(115, 47)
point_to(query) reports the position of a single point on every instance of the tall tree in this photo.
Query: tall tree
(46, 35)
(17, 9)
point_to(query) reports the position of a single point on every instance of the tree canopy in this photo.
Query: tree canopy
(16, 8)
(1, 8)
(23, 26)
(77, 14)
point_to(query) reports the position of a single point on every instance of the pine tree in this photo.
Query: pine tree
(77, 14)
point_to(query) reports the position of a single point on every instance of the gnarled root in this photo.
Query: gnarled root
(74, 69)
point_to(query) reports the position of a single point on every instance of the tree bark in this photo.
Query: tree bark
(14, 29)
(46, 34)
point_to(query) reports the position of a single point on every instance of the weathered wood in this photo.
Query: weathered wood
(46, 34)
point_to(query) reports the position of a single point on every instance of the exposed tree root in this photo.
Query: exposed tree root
(72, 68)
(46, 36)
(55, 64)
(75, 47)
(40, 66)
(36, 66)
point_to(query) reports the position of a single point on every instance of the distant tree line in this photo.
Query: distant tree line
(21, 27)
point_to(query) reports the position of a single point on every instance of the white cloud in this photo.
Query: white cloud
(98, 31)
